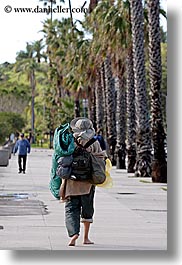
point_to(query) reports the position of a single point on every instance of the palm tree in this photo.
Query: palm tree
(110, 108)
(113, 21)
(28, 62)
(131, 123)
(108, 50)
(103, 88)
(71, 16)
(37, 47)
(52, 35)
(143, 136)
(159, 165)
(99, 102)
(130, 97)
(74, 62)
(121, 120)
(131, 117)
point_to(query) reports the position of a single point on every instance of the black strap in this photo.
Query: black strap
(90, 142)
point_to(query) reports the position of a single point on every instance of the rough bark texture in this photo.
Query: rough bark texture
(110, 109)
(92, 5)
(99, 102)
(143, 136)
(92, 105)
(121, 122)
(131, 117)
(103, 89)
(33, 84)
(159, 165)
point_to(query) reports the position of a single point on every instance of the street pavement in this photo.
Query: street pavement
(132, 215)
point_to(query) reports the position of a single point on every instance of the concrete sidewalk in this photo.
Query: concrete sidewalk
(130, 216)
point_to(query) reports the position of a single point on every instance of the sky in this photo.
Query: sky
(19, 28)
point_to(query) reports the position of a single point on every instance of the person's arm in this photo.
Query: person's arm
(28, 146)
(15, 147)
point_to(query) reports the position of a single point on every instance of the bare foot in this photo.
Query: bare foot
(73, 240)
(87, 242)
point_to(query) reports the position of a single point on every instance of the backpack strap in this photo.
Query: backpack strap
(90, 142)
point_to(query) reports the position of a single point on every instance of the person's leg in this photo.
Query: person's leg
(87, 214)
(24, 162)
(72, 218)
(19, 163)
(86, 239)
(73, 240)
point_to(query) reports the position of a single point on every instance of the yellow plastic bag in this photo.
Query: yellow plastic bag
(108, 183)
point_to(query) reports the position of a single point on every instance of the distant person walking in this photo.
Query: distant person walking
(100, 138)
(22, 146)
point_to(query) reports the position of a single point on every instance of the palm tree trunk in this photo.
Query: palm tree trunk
(143, 135)
(131, 117)
(159, 165)
(92, 105)
(32, 83)
(110, 109)
(103, 89)
(71, 16)
(121, 122)
(76, 108)
(99, 102)
(58, 96)
(92, 5)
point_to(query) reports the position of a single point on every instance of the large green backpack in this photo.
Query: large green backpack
(63, 141)
(63, 144)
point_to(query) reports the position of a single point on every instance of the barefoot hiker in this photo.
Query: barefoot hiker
(78, 194)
